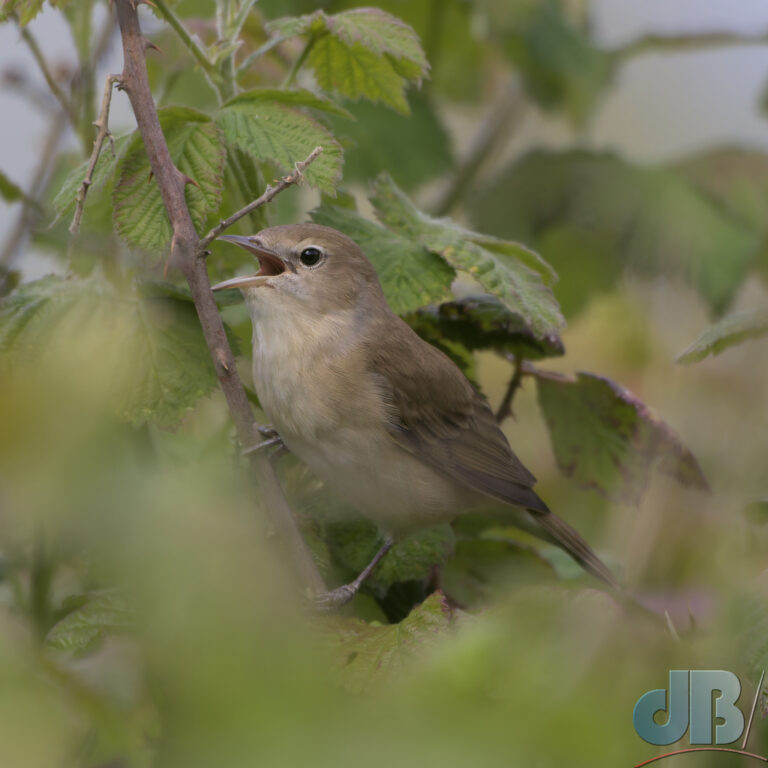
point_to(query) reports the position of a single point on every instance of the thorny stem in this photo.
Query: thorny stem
(267, 196)
(185, 250)
(28, 215)
(102, 123)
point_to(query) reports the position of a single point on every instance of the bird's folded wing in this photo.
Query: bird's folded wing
(437, 415)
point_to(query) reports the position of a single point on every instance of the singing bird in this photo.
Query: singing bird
(385, 420)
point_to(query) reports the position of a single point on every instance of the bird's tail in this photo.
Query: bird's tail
(560, 533)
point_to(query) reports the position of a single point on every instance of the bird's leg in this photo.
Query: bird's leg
(342, 595)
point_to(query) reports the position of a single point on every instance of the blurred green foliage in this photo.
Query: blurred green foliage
(149, 616)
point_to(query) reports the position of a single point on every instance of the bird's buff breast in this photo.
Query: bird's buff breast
(330, 414)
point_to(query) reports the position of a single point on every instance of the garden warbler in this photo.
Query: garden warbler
(384, 419)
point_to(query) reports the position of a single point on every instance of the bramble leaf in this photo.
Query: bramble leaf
(605, 438)
(105, 612)
(353, 543)
(518, 277)
(483, 322)
(411, 276)
(105, 167)
(414, 148)
(11, 192)
(360, 53)
(368, 653)
(731, 330)
(293, 97)
(150, 349)
(267, 129)
(579, 207)
(195, 146)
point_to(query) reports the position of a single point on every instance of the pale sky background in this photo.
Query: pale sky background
(659, 106)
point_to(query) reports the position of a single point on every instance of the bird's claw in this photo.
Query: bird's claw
(271, 440)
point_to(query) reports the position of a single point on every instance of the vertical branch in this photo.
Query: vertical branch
(185, 254)
(102, 123)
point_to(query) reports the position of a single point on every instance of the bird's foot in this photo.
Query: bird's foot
(329, 601)
(271, 440)
(267, 431)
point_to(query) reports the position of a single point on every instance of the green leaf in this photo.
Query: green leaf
(292, 97)
(104, 613)
(411, 276)
(518, 277)
(757, 511)
(605, 438)
(11, 192)
(483, 322)
(731, 330)
(484, 568)
(384, 35)
(105, 167)
(149, 349)
(26, 10)
(735, 180)
(560, 66)
(369, 653)
(576, 206)
(196, 149)
(354, 543)
(414, 148)
(269, 130)
(360, 53)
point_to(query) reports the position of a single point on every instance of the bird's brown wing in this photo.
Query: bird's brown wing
(438, 416)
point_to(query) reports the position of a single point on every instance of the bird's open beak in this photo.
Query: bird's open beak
(269, 262)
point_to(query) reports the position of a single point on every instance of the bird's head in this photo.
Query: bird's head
(303, 267)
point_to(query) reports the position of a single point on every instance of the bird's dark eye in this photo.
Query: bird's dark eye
(311, 256)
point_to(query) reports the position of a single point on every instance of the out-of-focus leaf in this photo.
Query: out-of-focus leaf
(411, 276)
(485, 567)
(518, 277)
(11, 192)
(560, 66)
(196, 149)
(360, 53)
(269, 130)
(105, 613)
(735, 179)
(731, 330)
(757, 511)
(368, 653)
(103, 172)
(354, 543)
(414, 149)
(156, 362)
(25, 9)
(605, 438)
(652, 219)
(483, 322)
